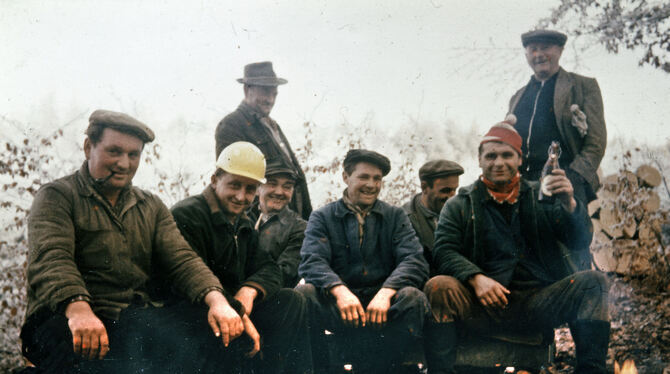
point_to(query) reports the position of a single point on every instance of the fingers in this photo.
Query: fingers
(76, 344)
(94, 349)
(256, 348)
(104, 346)
(361, 314)
(85, 345)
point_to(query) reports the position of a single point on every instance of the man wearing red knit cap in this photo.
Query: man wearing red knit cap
(507, 262)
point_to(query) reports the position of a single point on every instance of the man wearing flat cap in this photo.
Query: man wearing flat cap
(251, 122)
(363, 268)
(280, 230)
(563, 106)
(95, 243)
(507, 262)
(439, 182)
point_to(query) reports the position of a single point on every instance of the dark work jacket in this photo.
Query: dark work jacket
(547, 228)
(281, 236)
(231, 252)
(390, 256)
(244, 125)
(423, 228)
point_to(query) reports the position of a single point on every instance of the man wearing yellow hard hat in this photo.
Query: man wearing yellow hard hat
(215, 225)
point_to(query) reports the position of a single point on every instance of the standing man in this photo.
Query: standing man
(280, 230)
(439, 182)
(506, 260)
(251, 122)
(363, 268)
(94, 242)
(563, 106)
(215, 225)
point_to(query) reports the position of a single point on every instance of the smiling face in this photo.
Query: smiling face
(363, 184)
(433, 197)
(234, 192)
(543, 59)
(261, 98)
(275, 193)
(116, 154)
(499, 162)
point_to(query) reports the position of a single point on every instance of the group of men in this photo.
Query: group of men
(117, 282)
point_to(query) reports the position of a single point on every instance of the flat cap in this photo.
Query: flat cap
(122, 122)
(439, 168)
(543, 36)
(279, 168)
(355, 156)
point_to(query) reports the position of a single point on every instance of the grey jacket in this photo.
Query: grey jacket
(571, 89)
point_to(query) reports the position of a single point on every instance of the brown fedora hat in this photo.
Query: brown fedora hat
(261, 74)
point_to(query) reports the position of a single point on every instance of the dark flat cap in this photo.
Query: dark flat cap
(121, 121)
(355, 156)
(439, 168)
(543, 36)
(261, 74)
(279, 168)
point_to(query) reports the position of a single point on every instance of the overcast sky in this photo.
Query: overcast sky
(379, 63)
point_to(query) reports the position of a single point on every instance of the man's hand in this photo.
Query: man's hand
(222, 318)
(246, 295)
(350, 307)
(250, 329)
(558, 184)
(377, 310)
(89, 336)
(489, 292)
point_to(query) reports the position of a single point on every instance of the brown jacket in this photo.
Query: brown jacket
(244, 125)
(571, 89)
(80, 245)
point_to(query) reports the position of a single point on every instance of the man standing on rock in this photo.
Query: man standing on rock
(563, 106)
(251, 122)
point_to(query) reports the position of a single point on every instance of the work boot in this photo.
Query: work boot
(591, 339)
(440, 347)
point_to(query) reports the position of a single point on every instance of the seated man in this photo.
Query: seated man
(280, 229)
(215, 225)
(363, 266)
(505, 261)
(439, 182)
(94, 242)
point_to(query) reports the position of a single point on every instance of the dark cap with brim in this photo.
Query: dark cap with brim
(544, 36)
(439, 168)
(355, 156)
(278, 168)
(122, 122)
(261, 74)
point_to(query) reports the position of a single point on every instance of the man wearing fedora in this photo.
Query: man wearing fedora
(559, 105)
(439, 182)
(251, 122)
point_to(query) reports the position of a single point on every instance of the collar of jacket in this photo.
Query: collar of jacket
(218, 217)
(341, 209)
(85, 188)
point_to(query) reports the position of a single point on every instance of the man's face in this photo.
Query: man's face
(261, 98)
(499, 162)
(275, 193)
(116, 153)
(234, 192)
(543, 59)
(443, 188)
(364, 184)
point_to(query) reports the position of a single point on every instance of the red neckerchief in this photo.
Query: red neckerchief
(506, 193)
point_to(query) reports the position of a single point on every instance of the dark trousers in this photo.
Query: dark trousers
(370, 349)
(174, 339)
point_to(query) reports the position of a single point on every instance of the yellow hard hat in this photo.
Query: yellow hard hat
(243, 158)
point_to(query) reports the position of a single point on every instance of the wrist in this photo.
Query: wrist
(215, 297)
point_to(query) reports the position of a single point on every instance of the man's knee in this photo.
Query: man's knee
(307, 290)
(441, 283)
(592, 280)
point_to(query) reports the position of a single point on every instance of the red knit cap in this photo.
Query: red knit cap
(503, 132)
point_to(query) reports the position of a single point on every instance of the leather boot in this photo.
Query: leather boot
(591, 339)
(440, 347)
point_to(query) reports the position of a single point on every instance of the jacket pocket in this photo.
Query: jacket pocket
(95, 242)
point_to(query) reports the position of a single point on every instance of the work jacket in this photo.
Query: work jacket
(560, 240)
(244, 125)
(80, 245)
(281, 236)
(588, 150)
(230, 250)
(425, 231)
(390, 255)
